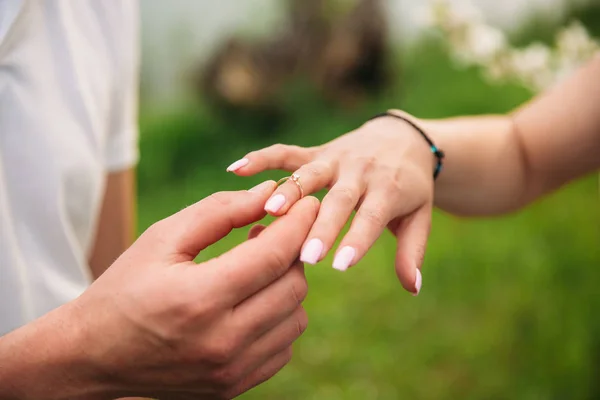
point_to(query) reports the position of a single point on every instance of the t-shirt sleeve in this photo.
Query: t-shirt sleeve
(121, 150)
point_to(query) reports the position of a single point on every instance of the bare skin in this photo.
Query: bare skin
(116, 223)
(384, 170)
(158, 325)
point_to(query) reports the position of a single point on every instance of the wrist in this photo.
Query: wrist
(48, 359)
(427, 139)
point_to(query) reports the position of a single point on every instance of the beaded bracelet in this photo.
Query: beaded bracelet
(439, 154)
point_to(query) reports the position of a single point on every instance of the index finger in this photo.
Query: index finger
(255, 264)
(194, 228)
(278, 156)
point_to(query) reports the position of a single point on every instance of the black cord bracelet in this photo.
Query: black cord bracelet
(439, 154)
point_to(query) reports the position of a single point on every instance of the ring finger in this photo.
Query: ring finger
(308, 179)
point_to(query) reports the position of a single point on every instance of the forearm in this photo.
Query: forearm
(116, 224)
(497, 164)
(46, 359)
(485, 169)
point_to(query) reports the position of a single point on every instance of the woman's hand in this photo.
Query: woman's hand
(384, 170)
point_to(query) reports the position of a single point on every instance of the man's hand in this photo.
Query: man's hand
(156, 324)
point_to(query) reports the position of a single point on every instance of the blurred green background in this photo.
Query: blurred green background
(509, 306)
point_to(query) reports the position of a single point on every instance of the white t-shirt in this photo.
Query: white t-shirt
(68, 117)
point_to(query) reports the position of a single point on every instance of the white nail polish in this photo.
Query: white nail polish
(312, 251)
(275, 203)
(344, 258)
(418, 282)
(238, 164)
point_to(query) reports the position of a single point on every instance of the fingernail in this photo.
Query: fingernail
(312, 251)
(238, 164)
(418, 283)
(261, 187)
(343, 258)
(275, 203)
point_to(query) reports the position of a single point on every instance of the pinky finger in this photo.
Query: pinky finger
(412, 233)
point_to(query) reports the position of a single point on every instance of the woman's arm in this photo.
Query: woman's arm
(496, 164)
(384, 170)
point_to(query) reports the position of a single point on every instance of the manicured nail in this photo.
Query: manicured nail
(344, 258)
(312, 251)
(418, 283)
(261, 187)
(238, 164)
(275, 203)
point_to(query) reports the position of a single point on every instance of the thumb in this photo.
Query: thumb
(198, 226)
(412, 233)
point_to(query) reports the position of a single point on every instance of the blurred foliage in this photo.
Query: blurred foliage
(508, 308)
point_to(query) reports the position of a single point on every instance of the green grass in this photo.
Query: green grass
(508, 307)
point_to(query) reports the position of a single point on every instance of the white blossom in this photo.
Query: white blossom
(462, 13)
(536, 66)
(485, 42)
(574, 40)
(573, 44)
(533, 65)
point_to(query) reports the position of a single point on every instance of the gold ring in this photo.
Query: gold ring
(294, 178)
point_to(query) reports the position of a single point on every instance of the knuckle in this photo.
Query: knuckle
(295, 149)
(390, 180)
(287, 355)
(345, 194)
(316, 205)
(373, 215)
(264, 374)
(220, 199)
(156, 234)
(313, 151)
(225, 377)
(301, 321)
(221, 351)
(206, 309)
(299, 290)
(182, 316)
(256, 154)
(317, 169)
(395, 184)
(279, 149)
(367, 162)
(156, 229)
(276, 263)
